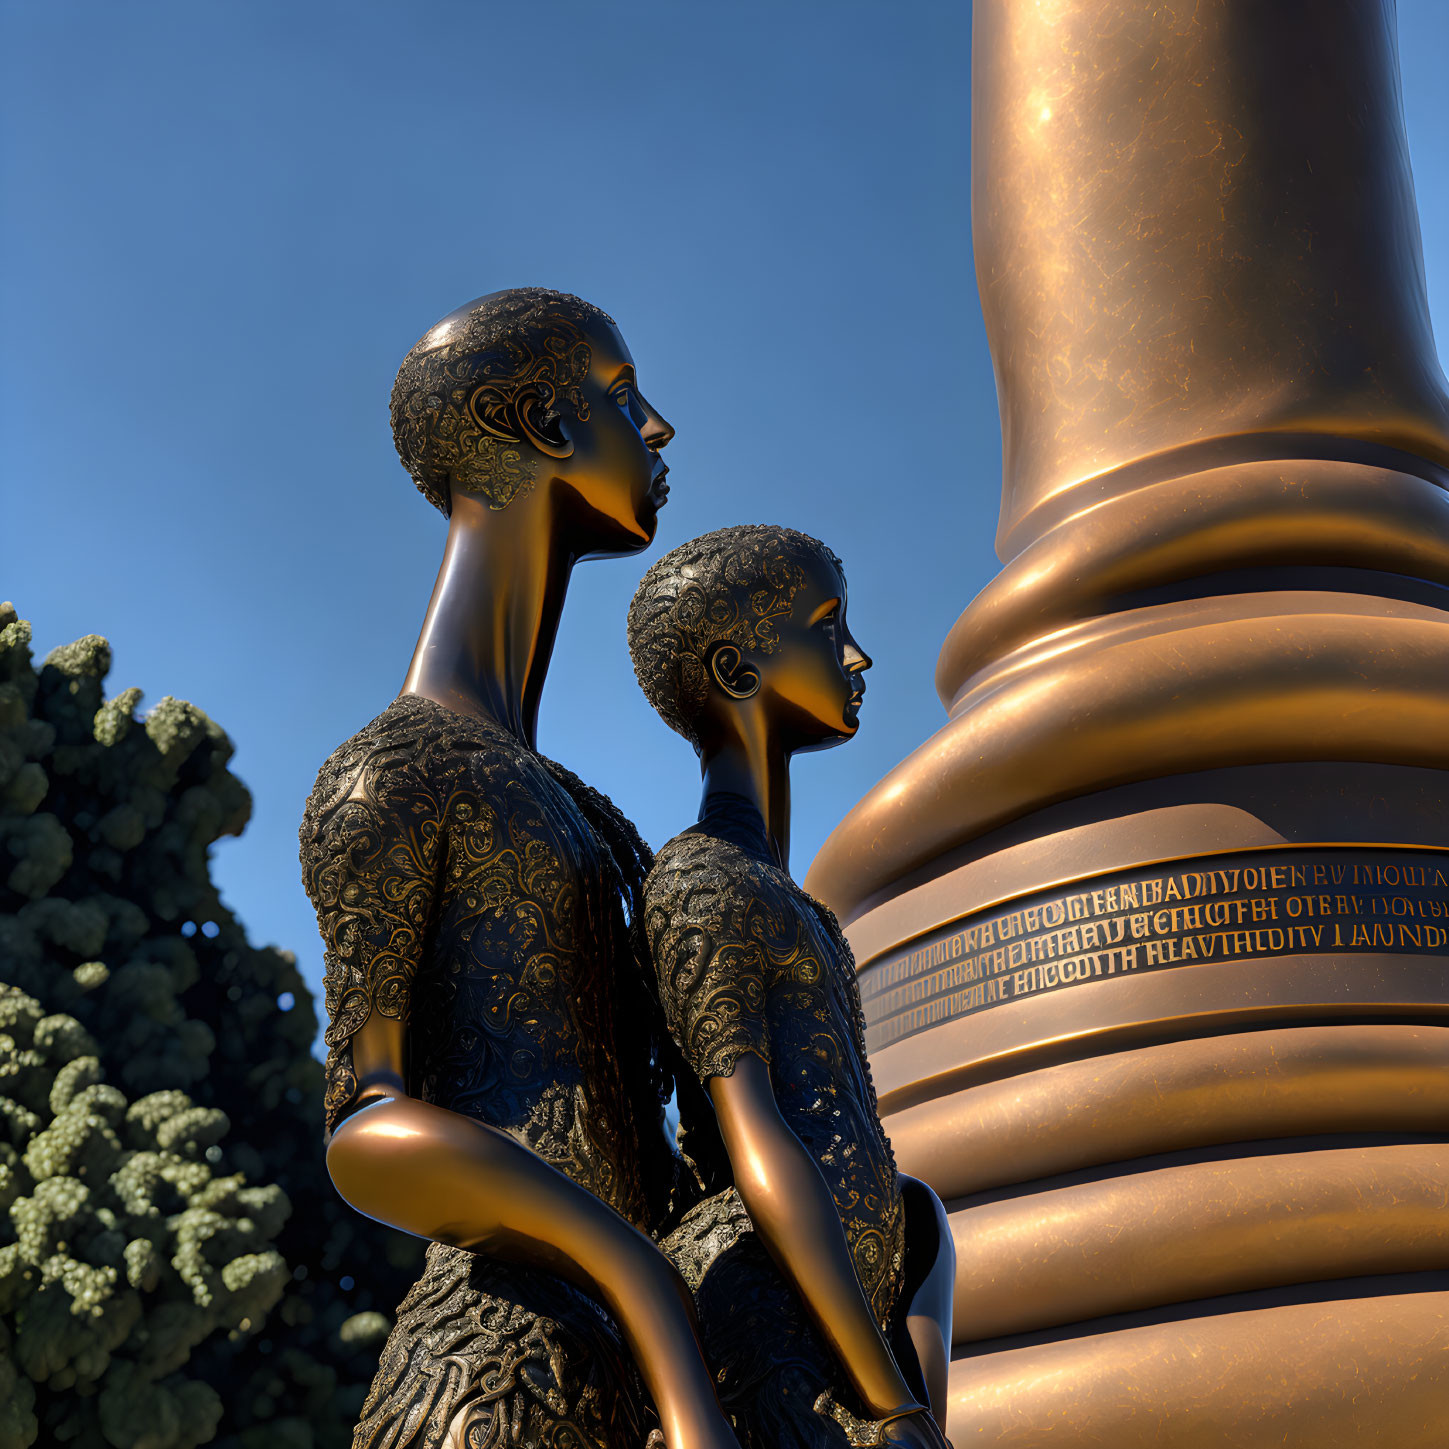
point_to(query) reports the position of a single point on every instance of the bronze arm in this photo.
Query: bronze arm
(792, 1209)
(441, 1175)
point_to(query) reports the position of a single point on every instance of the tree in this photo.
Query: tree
(175, 1267)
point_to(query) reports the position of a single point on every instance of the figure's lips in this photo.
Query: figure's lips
(658, 488)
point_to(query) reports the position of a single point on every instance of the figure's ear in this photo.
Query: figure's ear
(520, 415)
(728, 669)
(491, 408)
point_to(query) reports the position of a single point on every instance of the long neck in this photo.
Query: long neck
(490, 627)
(749, 761)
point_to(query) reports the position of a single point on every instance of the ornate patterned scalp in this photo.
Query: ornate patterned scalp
(730, 586)
(527, 337)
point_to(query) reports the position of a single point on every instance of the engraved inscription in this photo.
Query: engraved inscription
(1216, 909)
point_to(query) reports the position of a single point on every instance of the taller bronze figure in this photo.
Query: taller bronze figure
(495, 1078)
(1154, 930)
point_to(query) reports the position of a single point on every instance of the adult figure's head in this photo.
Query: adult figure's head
(519, 417)
(526, 401)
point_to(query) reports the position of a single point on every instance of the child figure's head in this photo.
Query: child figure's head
(748, 624)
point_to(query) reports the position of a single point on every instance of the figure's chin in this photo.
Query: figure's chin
(638, 532)
(841, 735)
(624, 538)
(648, 524)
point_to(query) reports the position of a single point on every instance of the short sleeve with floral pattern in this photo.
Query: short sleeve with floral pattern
(748, 962)
(719, 939)
(371, 861)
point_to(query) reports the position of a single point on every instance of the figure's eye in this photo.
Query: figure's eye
(623, 396)
(830, 627)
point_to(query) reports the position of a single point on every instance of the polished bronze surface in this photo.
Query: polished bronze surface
(1366, 1373)
(1219, 644)
(1197, 244)
(1275, 515)
(497, 1073)
(1064, 1255)
(1176, 817)
(1126, 1012)
(1238, 907)
(1199, 265)
(1242, 679)
(740, 640)
(1250, 1086)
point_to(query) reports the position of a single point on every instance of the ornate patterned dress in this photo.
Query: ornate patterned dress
(747, 962)
(477, 892)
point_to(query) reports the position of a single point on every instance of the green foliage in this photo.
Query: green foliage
(128, 1249)
(172, 1256)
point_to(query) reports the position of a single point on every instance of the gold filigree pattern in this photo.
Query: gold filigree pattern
(777, 1379)
(482, 895)
(748, 963)
(529, 339)
(501, 1356)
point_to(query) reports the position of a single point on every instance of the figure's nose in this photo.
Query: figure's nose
(857, 661)
(657, 430)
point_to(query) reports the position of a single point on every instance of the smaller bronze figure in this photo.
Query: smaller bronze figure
(495, 1079)
(740, 642)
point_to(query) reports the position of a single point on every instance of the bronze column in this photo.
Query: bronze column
(1154, 932)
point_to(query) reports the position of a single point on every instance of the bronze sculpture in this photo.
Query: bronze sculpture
(495, 1080)
(1151, 931)
(740, 641)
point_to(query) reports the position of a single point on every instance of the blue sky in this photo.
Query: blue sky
(223, 225)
